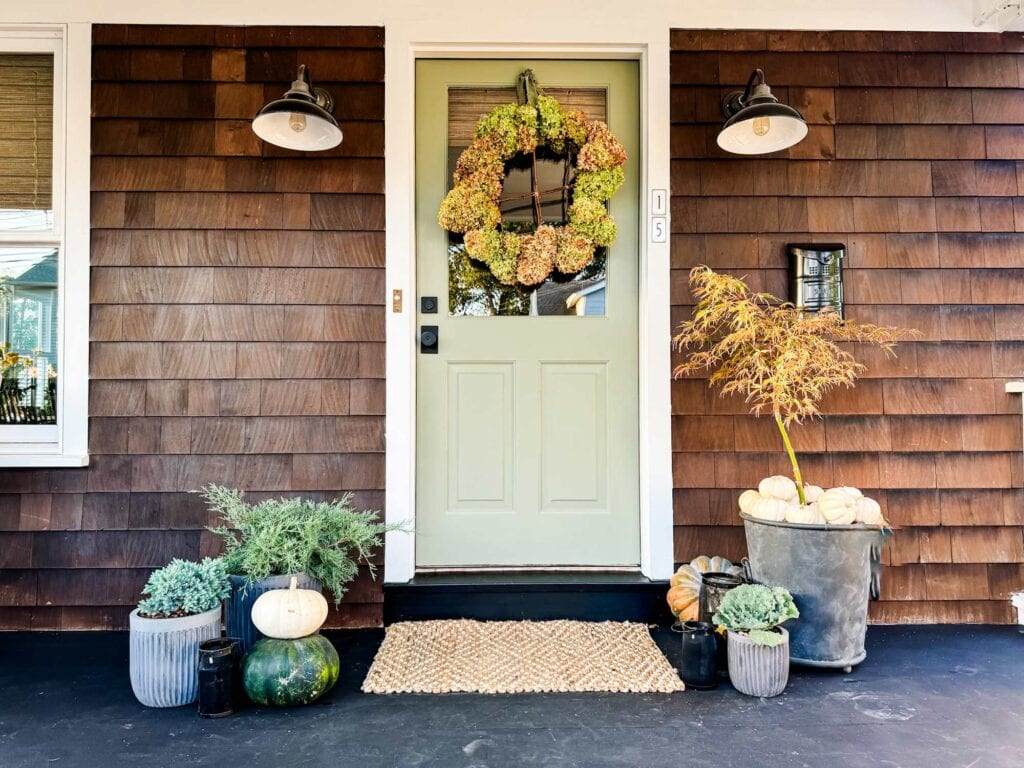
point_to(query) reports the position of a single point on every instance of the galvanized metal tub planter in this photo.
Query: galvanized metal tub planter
(831, 571)
(238, 606)
(758, 670)
(163, 656)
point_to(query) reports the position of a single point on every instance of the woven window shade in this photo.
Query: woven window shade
(467, 105)
(26, 131)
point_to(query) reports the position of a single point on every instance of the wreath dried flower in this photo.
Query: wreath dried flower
(472, 209)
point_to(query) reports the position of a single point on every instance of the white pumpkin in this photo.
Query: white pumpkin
(748, 499)
(808, 514)
(769, 508)
(855, 492)
(869, 512)
(837, 506)
(812, 492)
(290, 613)
(778, 487)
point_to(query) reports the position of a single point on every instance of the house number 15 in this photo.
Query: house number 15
(659, 215)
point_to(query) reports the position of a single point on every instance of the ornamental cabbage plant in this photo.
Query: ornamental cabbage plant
(754, 610)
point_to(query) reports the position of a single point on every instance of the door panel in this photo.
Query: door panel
(574, 445)
(480, 461)
(527, 435)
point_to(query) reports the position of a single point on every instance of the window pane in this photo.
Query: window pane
(28, 321)
(26, 141)
(472, 289)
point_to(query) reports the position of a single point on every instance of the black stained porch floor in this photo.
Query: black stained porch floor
(927, 697)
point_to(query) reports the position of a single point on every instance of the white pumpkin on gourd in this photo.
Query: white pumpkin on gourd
(777, 487)
(837, 506)
(769, 508)
(807, 514)
(287, 614)
(869, 512)
(748, 499)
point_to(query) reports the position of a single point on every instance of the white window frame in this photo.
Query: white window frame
(66, 443)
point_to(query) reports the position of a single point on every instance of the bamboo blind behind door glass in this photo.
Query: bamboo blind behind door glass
(26, 141)
(467, 105)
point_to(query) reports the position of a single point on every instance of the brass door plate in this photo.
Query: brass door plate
(396, 300)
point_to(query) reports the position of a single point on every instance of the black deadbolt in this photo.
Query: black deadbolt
(428, 339)
(428, 305)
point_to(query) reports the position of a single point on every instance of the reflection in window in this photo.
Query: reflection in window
(472, 289)
(28, 335)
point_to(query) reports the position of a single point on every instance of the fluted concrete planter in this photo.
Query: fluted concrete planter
(238, 606)
(758, 670)
(163, 656)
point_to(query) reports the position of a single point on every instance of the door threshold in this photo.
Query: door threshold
(623, 594)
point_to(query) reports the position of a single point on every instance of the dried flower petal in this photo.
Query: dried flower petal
(466, 208)
(590, 218)
(537, 255)
(574, 251)
(602, 149)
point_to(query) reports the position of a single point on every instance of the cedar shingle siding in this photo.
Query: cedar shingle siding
(913, 161)
(238, 304)
(237, 317)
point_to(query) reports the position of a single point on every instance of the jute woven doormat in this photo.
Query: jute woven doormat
(519, 657)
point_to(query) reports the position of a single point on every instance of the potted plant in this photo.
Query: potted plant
(319, 543)
(818, 544)
(181, 611)
(758, 646)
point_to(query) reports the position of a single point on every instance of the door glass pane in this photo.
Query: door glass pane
(28, 335)
(472, 289)
(26, 141)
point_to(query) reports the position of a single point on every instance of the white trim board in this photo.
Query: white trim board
(656, 540)
(597, 20)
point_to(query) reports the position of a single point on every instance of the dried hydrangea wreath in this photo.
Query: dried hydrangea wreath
(472, 206)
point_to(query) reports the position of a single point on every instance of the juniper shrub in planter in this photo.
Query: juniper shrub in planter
(321, 543)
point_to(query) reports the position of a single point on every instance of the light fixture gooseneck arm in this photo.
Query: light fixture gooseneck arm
(304, 89)
(757, 75)
(755, 89)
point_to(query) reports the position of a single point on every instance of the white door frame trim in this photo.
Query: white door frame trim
(656, 538)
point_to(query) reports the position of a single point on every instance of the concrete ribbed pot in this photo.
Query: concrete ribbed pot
(238, 606)
(758, 670)
(163, 656)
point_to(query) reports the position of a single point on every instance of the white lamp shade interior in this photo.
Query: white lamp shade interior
(762, 135)
(297, 130)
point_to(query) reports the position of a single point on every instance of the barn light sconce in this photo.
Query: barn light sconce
(756, 123)
(301, 119)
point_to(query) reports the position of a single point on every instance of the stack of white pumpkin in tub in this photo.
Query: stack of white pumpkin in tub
(776, 500)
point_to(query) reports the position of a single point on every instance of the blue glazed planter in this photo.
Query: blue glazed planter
(238, 606)
(163, 656)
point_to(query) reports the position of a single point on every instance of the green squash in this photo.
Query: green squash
(286, 673)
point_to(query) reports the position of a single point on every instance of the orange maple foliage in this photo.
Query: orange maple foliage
(782, 360)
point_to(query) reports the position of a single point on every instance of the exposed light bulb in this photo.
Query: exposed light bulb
(762, 125)
(297, 122)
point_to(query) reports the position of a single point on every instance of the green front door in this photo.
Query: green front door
(527, 426)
